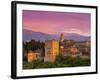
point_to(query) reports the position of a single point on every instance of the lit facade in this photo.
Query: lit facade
(51, 50)
(31, 56)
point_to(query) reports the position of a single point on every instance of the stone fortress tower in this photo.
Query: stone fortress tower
(51, 50)
(61, 43)
(61, 37)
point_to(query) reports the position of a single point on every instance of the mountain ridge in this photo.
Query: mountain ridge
(29, 35)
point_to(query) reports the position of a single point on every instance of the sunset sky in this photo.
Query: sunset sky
(57, 22)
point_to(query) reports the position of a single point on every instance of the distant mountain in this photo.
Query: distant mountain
(76, 37)
(29, 35)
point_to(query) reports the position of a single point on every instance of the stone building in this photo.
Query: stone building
(31, 56)
(51, 50)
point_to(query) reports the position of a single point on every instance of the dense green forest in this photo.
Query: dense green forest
(60, 62)
(33, 45)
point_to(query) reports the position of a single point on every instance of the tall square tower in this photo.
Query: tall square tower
(51, 50)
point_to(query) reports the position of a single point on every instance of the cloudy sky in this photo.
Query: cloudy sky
(57, 22)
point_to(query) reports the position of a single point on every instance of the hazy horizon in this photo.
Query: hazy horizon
(58, 33)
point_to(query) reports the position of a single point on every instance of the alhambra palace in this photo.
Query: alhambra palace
(54, 48)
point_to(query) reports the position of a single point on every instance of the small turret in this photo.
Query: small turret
(61, 37)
